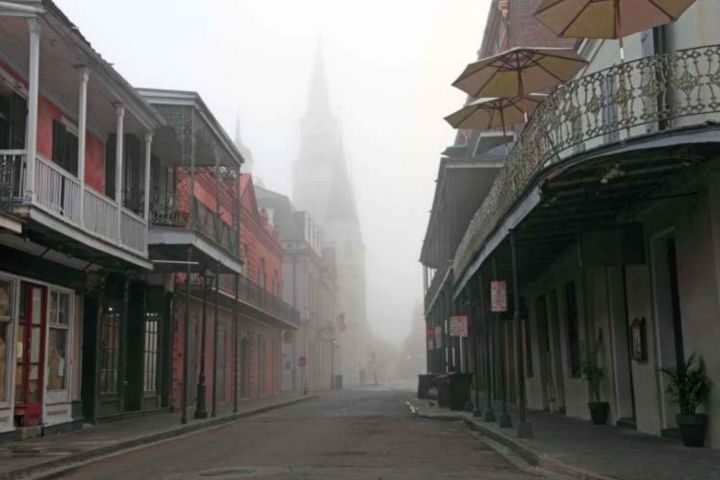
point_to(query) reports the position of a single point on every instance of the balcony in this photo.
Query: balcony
(253, 297)
(632, 104)
(61, 198)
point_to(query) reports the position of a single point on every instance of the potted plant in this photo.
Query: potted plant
(689, 386)
(594, 373)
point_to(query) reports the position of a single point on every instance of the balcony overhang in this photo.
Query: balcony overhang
(578, 195)
(47, 229)
(171, 244)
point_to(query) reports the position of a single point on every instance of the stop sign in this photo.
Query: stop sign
(302, 361)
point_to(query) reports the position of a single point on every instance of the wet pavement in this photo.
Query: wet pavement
(367, 434)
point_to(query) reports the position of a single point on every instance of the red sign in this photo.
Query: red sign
(458, 326)
(302, 361)
(498, 296)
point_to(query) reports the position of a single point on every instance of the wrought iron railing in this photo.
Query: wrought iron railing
(660, 92)
(206, 221)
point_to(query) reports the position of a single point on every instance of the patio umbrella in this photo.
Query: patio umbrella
(514, 72)
(608, 18)
(487, 113)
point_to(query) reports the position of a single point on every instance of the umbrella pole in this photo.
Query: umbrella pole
(521, 89)
(618, 24)
(502, 122)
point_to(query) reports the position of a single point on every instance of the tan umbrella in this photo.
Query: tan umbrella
(608, 18)
(487, 113)
(519, 70)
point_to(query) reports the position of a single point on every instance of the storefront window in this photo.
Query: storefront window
(5, 322)
(150, 353)
(58, 340)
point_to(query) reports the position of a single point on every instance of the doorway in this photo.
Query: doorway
(556, 352)
(30, 355)
(546, 372)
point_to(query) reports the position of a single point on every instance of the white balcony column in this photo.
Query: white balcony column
(119, 140)
(82, 135)
(148, 157)
(35, 29)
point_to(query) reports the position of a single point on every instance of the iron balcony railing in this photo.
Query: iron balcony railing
(661, 92)
(253, 294)
(435, 285)
(204, 220)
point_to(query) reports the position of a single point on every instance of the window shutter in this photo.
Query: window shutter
(71, 153)
(18, 117)
(110, 166)
(58, 151)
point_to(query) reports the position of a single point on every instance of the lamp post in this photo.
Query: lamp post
(200, 410)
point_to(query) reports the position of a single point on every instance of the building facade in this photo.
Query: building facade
(322, 187)
(120, 243)
(310, 286)
(606, 213)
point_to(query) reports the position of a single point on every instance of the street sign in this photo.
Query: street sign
(302, 361)
(458, 326)
(498, 296)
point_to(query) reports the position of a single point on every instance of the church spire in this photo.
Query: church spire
(244, 150)
(318, 106)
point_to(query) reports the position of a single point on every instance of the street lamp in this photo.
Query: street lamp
(200, 410)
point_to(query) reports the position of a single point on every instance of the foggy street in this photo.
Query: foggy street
(368, 434)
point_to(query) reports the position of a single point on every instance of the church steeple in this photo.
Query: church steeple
(318, 106)
(242, 148)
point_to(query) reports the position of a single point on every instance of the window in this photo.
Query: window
(6, 312)
(573, 327)
(261, 365)
(221, 368)
(109, 350)
(150, 352)
(59, 320)
(65, 147)
(132, 174)
(275, 285)
(261, 274)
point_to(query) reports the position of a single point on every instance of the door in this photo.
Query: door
(556, 349)
(245, 367)
(546, 373)
(30, 355)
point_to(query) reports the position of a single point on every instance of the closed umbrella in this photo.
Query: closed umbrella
(487, 113)
(514, 72)
(608, 18)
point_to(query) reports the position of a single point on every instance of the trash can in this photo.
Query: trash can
(338, 383)
(459, 390)
(442, 383)
(425, 383)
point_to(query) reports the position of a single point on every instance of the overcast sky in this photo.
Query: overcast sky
(390, 64)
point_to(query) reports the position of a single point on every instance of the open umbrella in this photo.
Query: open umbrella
(608, 18)
(514, 72)
(487, 113)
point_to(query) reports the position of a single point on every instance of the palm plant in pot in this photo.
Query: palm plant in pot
(689, 386)
(594, 373)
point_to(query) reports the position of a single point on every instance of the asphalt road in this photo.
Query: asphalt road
(368, 434)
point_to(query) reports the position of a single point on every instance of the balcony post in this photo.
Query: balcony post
(148, 157)
(35, 29)
(82, 135)
(119, 140)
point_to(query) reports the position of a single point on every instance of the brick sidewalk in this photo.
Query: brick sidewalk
(55, 452)
(570, 445)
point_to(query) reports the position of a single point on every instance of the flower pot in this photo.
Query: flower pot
(692, 429)
(599, 412)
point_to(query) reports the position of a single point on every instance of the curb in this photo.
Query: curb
(53, 468)
(528, 454)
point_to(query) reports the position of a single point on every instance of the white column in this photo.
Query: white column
(119, 140)
(148, 152)
(82, 135)
(32, 117)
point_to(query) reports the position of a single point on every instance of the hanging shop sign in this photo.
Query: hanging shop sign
(458, 326)
(498, 296)
(302, 361)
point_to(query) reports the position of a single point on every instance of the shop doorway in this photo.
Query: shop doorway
(30, 355)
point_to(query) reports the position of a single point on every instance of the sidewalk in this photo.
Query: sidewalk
(573, 446)
(55, 452)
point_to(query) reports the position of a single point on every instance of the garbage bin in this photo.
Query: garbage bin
(459, 390)
(442, 383)
(425, 383)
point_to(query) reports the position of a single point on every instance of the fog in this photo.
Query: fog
(389, 65)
